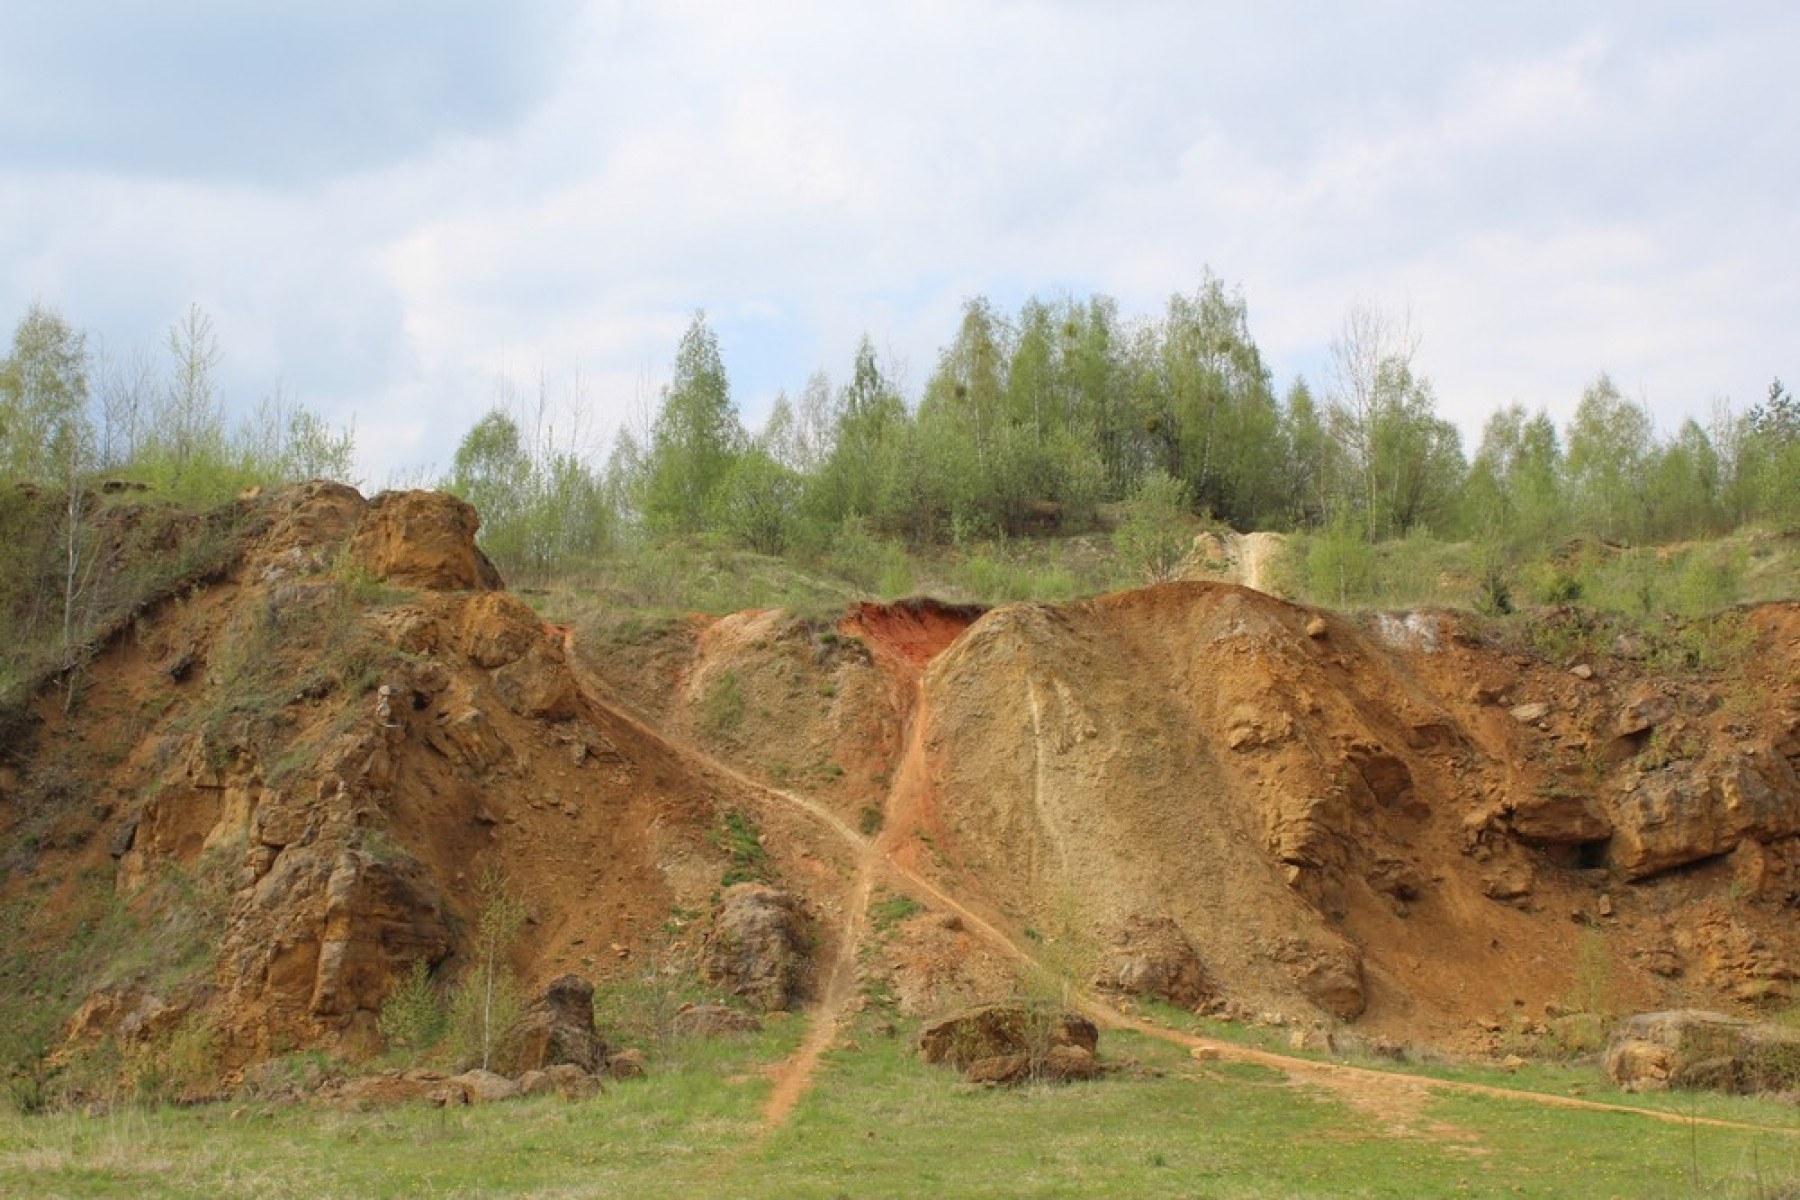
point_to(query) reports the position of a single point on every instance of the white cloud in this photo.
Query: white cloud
(1553, 193)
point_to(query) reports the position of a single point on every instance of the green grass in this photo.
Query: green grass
(880, 1123)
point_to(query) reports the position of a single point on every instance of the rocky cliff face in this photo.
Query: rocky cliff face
(1193, 793)
(329, 748)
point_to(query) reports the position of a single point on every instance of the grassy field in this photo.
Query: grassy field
(879, 1123)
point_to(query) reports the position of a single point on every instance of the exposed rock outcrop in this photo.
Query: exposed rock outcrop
(1689, 811)
(559, 1028)
(423, 540)
(758, 946)
(1703, 1050)
(1151, 956)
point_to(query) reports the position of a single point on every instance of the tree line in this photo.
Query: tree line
(74, 423)
(1030, 423)
(1060, 417)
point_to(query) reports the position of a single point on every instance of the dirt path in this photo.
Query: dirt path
(795, 1076)
(1368, 1088)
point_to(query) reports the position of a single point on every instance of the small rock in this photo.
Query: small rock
(711, 1020)
(480, 1087)
(1316, 628)
(1204, 1054)
(1511, 1064)
(573, 1083)
(999, 1068)
(1064, 1063)
(1582, 671)
(1606, 905)
(1527, 714)
(627, 1064)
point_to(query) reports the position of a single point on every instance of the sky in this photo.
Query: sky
(391, 210)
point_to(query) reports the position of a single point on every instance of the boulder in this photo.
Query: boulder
(496, 628)
(628, 1064)
(539, 685)
(1065, 1063)
(1646, 708)
(1151, 956)
(1688, 1048)
(380, 914)
(423, 540)
(1005, 1043)
(478, 1087)
(1509, 877)
(758, 945)
(559, 1028)
(387, 1088)
(564, 1079)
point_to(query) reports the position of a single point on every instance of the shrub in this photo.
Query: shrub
(412, 1017)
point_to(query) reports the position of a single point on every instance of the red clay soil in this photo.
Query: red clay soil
(906, 635)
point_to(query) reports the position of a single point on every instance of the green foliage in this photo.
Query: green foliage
(542, 508)
(489, 1001)
(1610, 442)
(1340, 565)
(722, 709)
(412, 1017)
(888, 909)
(43, 397)
(1153, 534)
(761, 500)
(696, 438)
(738, 836)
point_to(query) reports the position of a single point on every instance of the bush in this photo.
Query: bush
(488, 1002)
(1340, 563)
(412, 1017)
(1152, 538)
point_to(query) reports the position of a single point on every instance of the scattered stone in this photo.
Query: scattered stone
(1316, 628)
(1605, 905)
(712, 1020)
(1204, 1054)
(1582, 671)
(1529, 714)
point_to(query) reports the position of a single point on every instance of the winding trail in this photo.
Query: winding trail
(875, 862)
